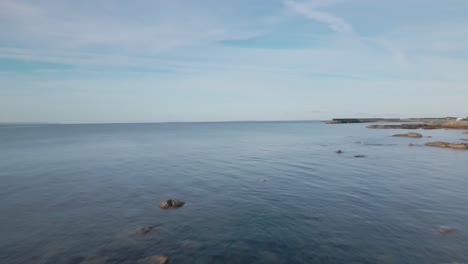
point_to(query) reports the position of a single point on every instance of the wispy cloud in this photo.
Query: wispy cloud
(108, 28)
(18, 9)
(311, 10)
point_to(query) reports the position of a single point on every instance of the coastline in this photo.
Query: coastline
(416, 123)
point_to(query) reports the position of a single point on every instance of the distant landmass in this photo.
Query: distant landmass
(373, 120)
(26, 123)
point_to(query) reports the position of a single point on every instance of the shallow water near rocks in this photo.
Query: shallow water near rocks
(255, 192)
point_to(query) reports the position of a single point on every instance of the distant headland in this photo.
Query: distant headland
(425, 120)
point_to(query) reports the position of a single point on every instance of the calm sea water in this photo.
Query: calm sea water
(255, 192)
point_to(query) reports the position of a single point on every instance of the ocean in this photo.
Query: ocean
(254, 192)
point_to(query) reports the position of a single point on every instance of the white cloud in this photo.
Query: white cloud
(310, 10)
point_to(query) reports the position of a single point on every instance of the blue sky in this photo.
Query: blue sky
(156, 61)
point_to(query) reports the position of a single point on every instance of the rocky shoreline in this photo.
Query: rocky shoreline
(416, 123)
(431, 125)
(460, 125)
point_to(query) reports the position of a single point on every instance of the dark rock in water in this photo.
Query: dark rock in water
(95, 260)
(442, 144)
(411, 145)
(157, 259)
(339, 151)
(464, 139)
(171, 203)
(411, 134)
(190, 246)
(444, 230)
(360, 156)
(146, 229)
(268, 257)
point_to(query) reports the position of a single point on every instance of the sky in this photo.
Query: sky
(102, 61)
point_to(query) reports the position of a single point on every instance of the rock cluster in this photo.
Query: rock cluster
(171, 203)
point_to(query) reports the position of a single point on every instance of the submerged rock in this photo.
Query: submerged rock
(411, 134)
(360, 156)
(146, 229)
(443, 230)
(339, 151)
(411, 145)
(190, 246)
(171, 203)
(442, 144)
(156, 259)
(95, 260)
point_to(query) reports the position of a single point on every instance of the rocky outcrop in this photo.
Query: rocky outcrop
(157, 259)
(435, 125)
(171, 203)
(411, 134)
(442, 144)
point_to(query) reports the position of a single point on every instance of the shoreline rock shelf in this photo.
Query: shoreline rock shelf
(442, 144)
(411, 134)
(436, 125)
